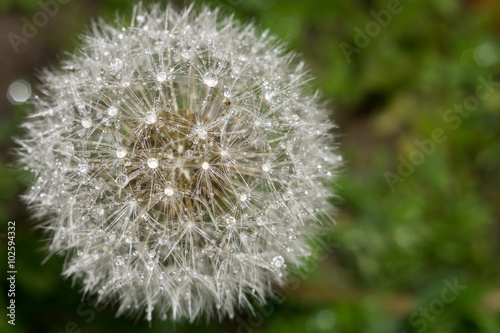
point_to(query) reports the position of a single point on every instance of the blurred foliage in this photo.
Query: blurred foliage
(397, 247)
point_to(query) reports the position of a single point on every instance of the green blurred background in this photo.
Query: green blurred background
(414, 249)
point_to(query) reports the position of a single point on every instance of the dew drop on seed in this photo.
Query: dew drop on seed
(242, 197)
(210, 80)
(112, 111)
(269, 95)
(169, 191)
(278, 261)
(153, 163)
(150, 117)
(86, 122)
(121, 152)
(161, 77)
(122, 180)
(202, 134)
(205, 165)
(266, 167)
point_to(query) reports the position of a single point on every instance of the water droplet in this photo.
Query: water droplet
(202, 134)
(205, 165)
(19, 91)
(266, 167)
(121, 180)
(210, 79)
(119, 261)
(153, 163)
(121, 152)
(83, 167)
(242, 197)
(112, 111)
(291, 234)
(169, 191)
(269, 95)
(278, 261)
(150, 117)
(86, 122)
(161, 77)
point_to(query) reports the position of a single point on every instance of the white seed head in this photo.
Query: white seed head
(162, 234)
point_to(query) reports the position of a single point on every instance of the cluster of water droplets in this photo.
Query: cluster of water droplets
(180, 162)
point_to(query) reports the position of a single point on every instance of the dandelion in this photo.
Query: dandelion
(179, 163)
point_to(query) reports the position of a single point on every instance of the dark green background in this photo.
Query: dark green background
(394, 250)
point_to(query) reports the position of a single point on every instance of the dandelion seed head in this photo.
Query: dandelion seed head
(181, 162)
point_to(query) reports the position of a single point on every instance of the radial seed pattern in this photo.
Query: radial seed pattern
(179, 163)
